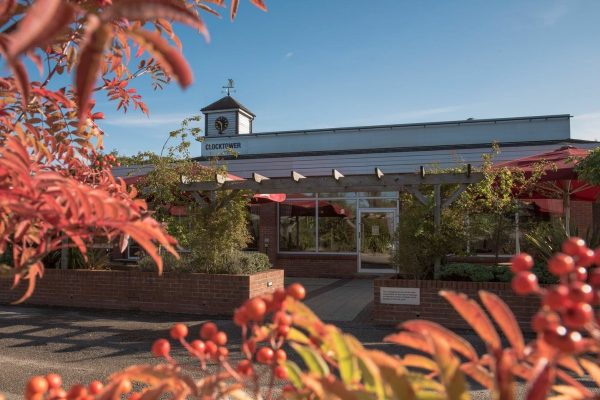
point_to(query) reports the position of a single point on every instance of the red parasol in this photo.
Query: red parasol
(559, 179)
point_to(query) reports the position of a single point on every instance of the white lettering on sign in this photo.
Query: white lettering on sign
(393, 295)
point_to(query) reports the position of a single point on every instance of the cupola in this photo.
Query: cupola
(227, 116)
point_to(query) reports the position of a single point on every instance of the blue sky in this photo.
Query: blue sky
(325, 63)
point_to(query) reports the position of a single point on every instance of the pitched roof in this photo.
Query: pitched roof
(226, 103)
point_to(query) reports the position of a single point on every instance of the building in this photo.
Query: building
(342, 233)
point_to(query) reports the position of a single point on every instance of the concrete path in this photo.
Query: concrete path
(338, 300)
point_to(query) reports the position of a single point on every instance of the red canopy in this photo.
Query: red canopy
(559, 179)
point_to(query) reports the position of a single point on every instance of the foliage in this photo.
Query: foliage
(234, 263)
(416, 242)
(588, 169)
(545, 238)
(53, 189)
(496, 196)
(464, 272)
(335, 365)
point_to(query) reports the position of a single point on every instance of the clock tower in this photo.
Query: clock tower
(227, 117)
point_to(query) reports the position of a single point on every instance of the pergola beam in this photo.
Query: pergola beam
(298, 183)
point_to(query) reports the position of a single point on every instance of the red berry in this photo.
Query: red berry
(578, 315)
(282, 318)
(586, 258)
(557, 298)
(161, 348)
(280, 356)
(220, 338)
(279, 295)
(244, 367)
(543, 321)
(240, 317)
(561, 264)
(265, 355)
(179, 331)
(76, 392)
(296, 291)
(283, 330)
(198, 345)
(521, 262)
(572, 342)
(525, 283)
(208, 330)
(256, 309)
(54, 381)
(95, 387)
(573, 245)
(595, 277)
(223, 352)
(211, 348)
(281, 372)
(37, 385)
(580, 292)
(581, 274)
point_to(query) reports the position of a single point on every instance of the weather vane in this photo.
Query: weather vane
(229, 87)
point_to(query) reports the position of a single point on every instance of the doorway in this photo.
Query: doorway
(375, 239)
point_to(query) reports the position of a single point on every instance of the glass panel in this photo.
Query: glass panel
(378, 194)
(378, 203)
(377, 229)
(297, 225)
(134, 250)
(253, 227)
(343, 195)
(337, 226)
(300, 195)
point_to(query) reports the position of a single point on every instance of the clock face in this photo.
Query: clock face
(221, 124)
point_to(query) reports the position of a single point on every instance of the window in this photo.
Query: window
(253, 227)
(337, 226)
(297, 225)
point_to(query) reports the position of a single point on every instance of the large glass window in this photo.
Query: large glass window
(326, 222)
(337, 226)
(297, 225)
(253, 227)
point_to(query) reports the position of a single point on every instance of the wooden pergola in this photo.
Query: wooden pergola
(337, 182)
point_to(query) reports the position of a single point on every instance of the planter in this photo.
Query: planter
(431, 306)
(190, 293)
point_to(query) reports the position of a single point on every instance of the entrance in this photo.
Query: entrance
(375, 239)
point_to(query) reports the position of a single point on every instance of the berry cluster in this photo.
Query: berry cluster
(102, 161)
(566, 319)
(50, 387)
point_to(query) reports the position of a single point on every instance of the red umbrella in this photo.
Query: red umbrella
(559, 179)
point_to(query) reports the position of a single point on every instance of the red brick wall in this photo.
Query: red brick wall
(582, 216)
(204, 294)
(435, 308)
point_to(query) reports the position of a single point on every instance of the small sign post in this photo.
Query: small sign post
(396, 295)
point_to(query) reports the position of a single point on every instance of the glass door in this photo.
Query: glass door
(375, 238)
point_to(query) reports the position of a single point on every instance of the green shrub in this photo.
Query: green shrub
(234, 263)
(465, 272)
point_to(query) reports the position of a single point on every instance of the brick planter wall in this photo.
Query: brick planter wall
(203, 294)
(435, 308)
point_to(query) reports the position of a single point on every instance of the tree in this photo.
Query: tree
(51, 193)
(495, 197)
(214, 225)
(588, 169)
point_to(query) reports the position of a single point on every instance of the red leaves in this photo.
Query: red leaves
(42, 21)
(96, 36)
(475, 316)
(170, 59)
(146, 10)
(505, 319)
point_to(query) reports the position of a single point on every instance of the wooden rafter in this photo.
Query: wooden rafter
(298, 183)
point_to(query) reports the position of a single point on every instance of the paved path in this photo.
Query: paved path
(339, 300)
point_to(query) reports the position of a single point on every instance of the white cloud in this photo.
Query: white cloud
(586, 126)
(289, 55)
(142, 120)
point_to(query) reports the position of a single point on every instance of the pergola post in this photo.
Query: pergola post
(437, 224)
(567, 206)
